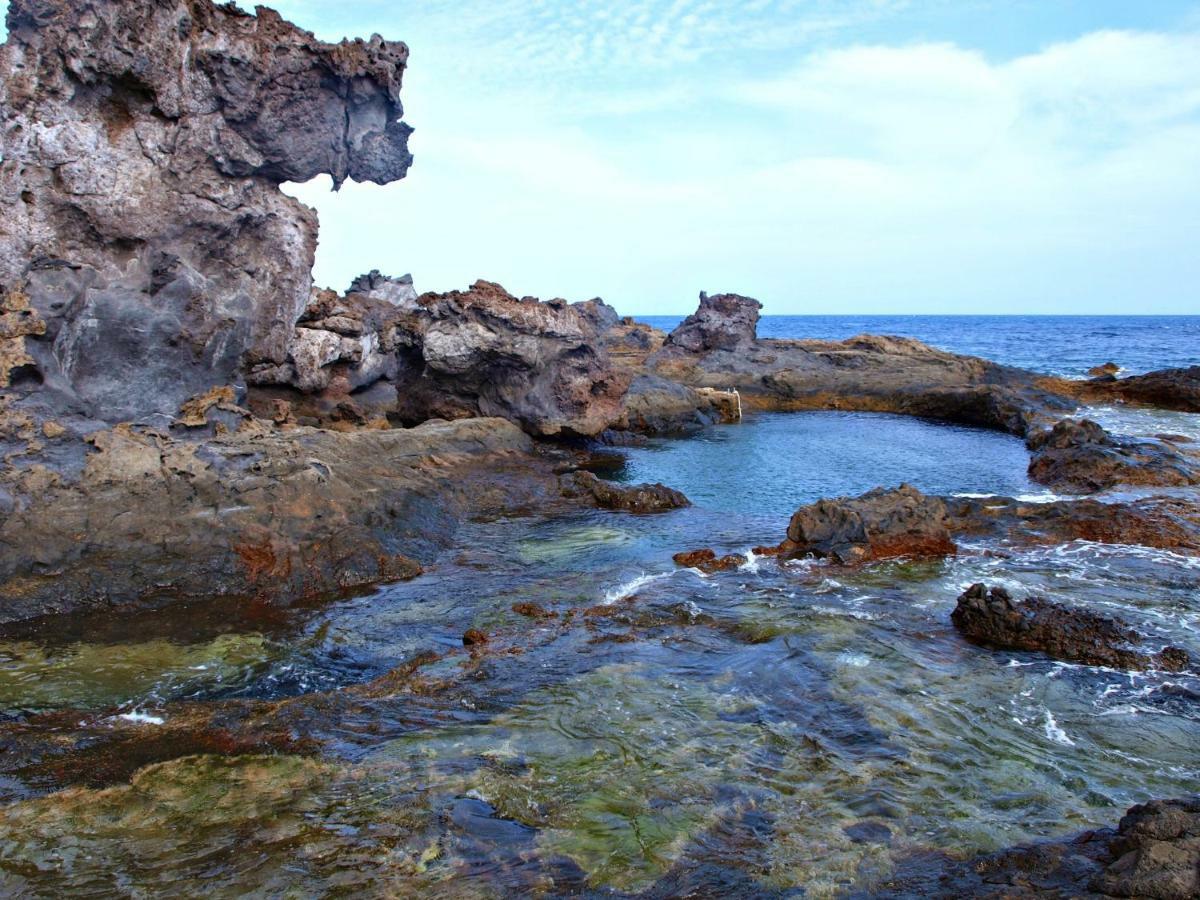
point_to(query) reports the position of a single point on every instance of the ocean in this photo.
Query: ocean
(1056, 345)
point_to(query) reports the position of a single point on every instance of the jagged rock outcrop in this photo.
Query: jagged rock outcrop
(881, 524)
(721, 322)
(146, 251)
(1153, 853)
(485, 352)
(381, 350)
(1078, 456)
(1037, 625)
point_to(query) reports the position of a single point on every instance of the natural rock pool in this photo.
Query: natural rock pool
(773, 727)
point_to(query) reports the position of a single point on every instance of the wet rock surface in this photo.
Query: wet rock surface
(146, 245)
(635, 498)
(1154, 852)
(259, 513)
(1176, 389)
(1168, 523)
(1078, 456)
(880, 524)
(990, 617)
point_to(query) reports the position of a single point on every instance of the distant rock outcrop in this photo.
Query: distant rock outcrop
(721, 322)
(146, 251)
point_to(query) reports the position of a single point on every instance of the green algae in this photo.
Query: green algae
(88, 676)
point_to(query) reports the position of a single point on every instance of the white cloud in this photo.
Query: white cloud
(873, 177)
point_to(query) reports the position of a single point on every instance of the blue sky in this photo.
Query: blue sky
(903, 156)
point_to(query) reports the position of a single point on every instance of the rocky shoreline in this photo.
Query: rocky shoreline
(184, 417)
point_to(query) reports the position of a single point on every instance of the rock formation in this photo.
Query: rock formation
(1177, 389)
(636, 498)
(991, 618)
(721, 322)
(880, 524)
(146, 251)
(1078, 456)
(383, 350)
(259, 514)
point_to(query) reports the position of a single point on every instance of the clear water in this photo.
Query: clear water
(1057, 345)
(732, 733)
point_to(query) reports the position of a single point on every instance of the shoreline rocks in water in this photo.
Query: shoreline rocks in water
(1154, 852)
(1078, 456)
(991, 618)
(635, 498)
(881, 524)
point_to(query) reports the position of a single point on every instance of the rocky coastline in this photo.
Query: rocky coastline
(186, 418)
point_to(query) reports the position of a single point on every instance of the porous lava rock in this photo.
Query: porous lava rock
(721, 322)
(1036, 625)
(147, 253)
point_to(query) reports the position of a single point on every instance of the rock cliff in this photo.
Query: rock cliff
(146, 251)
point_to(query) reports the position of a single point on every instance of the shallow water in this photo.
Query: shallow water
(764, 729)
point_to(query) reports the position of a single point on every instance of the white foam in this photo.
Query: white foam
(1056, 734)
(854, 660)
(631, 587)
(140, 718)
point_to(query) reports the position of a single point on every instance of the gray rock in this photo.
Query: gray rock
(722, 322)
(144, 142)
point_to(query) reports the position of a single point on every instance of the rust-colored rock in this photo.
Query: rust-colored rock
(473, 637)
(881, 524)
(532, 610)
(707, 561)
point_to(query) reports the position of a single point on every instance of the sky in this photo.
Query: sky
(857, 156)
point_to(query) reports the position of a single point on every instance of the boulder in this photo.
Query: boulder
(147, 253)
(1036, 625)
(1107, 370)
(880, 524)
(722, 322)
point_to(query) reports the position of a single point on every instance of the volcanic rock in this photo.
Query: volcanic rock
(277, 515)
(636, 498)
(1065, 633)
(880, 524)
(722, 322)
(707, 561)
(1079, 456)
(146, 251)
(1107, 370)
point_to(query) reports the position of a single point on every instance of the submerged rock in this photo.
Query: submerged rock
(991, 618)
(1169, 523)
(636, 498)
(1153, 853)
(144, 142)
(880, 524)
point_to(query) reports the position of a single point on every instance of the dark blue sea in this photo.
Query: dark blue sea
(1057, 345)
